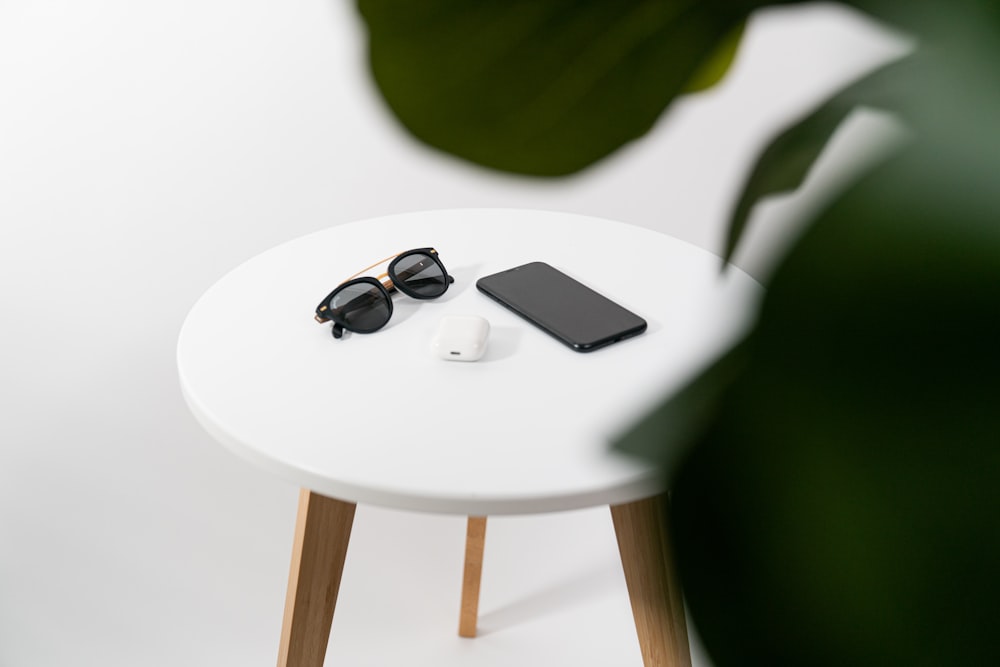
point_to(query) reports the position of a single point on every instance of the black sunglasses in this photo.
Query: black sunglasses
(363, 305)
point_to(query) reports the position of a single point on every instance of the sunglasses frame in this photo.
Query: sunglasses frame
(325, 314)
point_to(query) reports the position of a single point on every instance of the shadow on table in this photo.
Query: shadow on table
(503, 343)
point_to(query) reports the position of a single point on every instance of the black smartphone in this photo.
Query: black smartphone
(562, 306)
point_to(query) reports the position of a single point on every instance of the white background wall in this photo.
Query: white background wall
(148, 147)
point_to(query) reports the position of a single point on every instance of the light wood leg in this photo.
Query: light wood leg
(322, 531)
(657, 603)
(475, 542)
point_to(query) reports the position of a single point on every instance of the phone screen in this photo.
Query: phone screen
(562, 306)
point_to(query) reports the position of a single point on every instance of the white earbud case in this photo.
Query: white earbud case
(461, 337)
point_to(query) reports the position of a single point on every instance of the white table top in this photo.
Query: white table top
(377, 418)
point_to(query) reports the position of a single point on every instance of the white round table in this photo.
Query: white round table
(379, 419)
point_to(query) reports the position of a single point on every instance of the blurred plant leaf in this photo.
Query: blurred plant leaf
(543, 87)
(714, 68)
(838, 503)
(840, 507)
(787, 159)
(784, 164)
(667, 431)
(664, 434)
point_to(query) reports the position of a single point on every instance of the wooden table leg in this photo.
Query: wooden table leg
(475, 542)
(657, 603)
(322, 531)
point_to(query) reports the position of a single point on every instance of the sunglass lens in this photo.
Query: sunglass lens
(420, 275)
(360, 307)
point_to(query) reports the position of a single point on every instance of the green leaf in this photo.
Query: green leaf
(787, 159)
(664, 435)
(714, 68)
(783, 165)
(841, 506)
(542, 87)
(838, 505)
